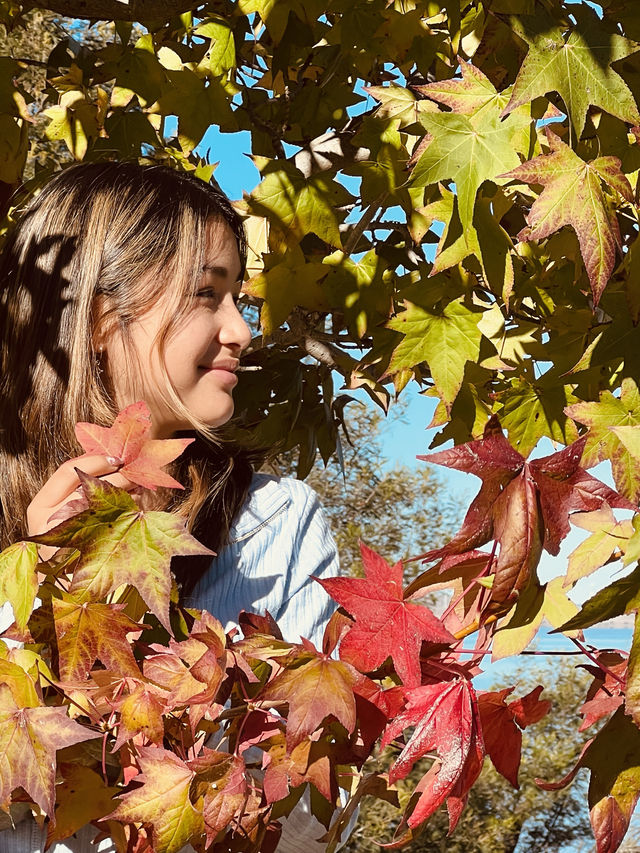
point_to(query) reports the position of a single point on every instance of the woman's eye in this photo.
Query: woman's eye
(208, 293)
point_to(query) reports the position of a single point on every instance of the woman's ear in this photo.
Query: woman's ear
(101, 323)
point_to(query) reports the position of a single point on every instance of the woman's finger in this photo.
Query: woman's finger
(65, 480)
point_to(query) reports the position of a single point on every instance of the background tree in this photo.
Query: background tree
(396, 510)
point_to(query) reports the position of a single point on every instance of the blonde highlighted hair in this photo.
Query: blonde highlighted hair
(92, 252)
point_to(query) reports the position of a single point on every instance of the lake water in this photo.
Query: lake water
(497, 674)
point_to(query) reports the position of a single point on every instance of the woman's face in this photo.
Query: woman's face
(202, 350)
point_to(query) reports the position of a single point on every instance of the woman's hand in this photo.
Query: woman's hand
(63, 486)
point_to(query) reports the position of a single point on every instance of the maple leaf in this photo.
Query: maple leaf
(318, 687)
(173, 675)
(220, 779)
(19, 682)
(19, 580)
(554, 64)
(82, 797)
(608, 535)
(127, 440)
(470, 150)
(121, 544)
(603, 442)
(385, 624)
(487, 240)
(29, 738)
(535, 604)
(608, 688)
(162, 800)
(399, 103)
(296, 205)
(446, 340)
(573, 195)
(613, 756)
(273, 285)
(524, 505)
(502, 725)
(141, 713)
(86, 632)
(311, 761)
(468, 96)
(445, 718)
(617, 598)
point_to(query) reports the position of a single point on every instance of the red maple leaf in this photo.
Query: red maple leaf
(502, 725)
(385, 624)
(607, 690)
(523, 505)
(127, 440)
(446, 720)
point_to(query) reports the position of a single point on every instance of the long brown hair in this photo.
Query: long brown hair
(91, 238)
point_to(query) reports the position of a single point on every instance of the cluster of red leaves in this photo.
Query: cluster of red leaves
(523, 506)
(168, 731)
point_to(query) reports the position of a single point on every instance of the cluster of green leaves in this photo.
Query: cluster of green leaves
(447, 196)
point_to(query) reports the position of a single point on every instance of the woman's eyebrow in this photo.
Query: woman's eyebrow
(223, 272)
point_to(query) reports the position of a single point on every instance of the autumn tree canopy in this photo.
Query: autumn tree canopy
(448, 197)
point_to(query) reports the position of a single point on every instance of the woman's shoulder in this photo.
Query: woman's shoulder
(269, 497)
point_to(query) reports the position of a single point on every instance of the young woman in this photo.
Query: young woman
(119, 284)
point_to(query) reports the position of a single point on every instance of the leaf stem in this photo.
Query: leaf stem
(589, 654)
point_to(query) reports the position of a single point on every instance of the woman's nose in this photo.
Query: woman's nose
(234, 331)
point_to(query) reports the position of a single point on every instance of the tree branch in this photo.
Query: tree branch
(115, 10)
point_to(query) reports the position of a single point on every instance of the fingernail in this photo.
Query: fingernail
(113, 460)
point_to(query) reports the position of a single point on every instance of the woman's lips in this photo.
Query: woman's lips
(223, 372)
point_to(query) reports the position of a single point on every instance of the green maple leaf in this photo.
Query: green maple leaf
(139, 73)
(577, 67)
(197, 103)
(619, 597)
(275, 13)
(121, 544)
(470, 150)
(399, 103)
(362, 290)
(531, 410)
(222, 52)
(19, 580)
(290, 282)
(446, 341)
(604, 443)
(573, 195)
(296, 206)
(487, 241)
(29, 738)
(162, 800)
(89, 631)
